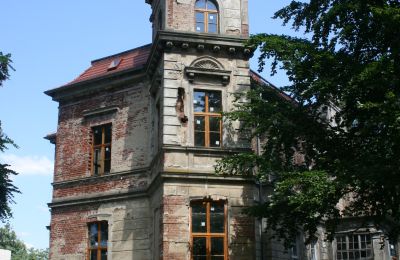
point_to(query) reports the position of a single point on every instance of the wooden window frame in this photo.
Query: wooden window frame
(208, 235)
(102, 147)
(207, 115)
(99, 247)
(205, 13)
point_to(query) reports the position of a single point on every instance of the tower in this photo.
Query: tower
(138, 136)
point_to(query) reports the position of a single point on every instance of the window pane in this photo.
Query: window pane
(96, 160)
(214, 102)
(97, 135)
(199, 224)
(215, 123)
(212, 28)
(217, 246)
(215, 139)
(212, 19)
(93, 255)
(217, 215)
(107, 134)
(93, 235)
(103, 254)
(199, 27)
(199, 17)
(201, 4)
(199, 101)
(199, 139)
(199, 123)
(211, 5)
(199, 248)
(104, 234)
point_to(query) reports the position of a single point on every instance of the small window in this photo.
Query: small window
(294, 250)
(206, 15)
(207, 118)
(355, 246)
(101, 149)
(208, 230)
(98, 238)
(114, 64)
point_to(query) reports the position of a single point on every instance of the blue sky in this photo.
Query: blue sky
(51, 43)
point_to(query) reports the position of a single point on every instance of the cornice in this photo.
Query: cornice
(173, 41)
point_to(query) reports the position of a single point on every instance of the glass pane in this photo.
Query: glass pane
(199, 248)
(104, 234)
(215, 139)
(199, 123)
(199, 139)
(97, 135)
(199, 17)
(211, 6)
(107, 166)
(217, 246)
(199, 27)
(214, 102)
(215, 123)
(96, 160)
(217, 215)
(107, 134)
(201, 4)
(199, 224)
(212, 28)
(93, 235)
(103, 254)
(199, 101)
(212, 19)
(200, 257)
(217, 257)
(93, 255)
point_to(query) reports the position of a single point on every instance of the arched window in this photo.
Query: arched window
(206, 16)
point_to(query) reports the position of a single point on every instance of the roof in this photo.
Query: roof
(131, 59)
(260, 80)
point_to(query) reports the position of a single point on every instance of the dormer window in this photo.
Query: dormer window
(206, 16)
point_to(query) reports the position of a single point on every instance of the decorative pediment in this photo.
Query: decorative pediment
(208, 67)
(207, 64)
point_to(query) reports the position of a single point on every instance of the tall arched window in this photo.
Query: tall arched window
(206, 16)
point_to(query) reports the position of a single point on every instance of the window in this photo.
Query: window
(207, 118)
(101, 149)
(208, 230)
(392, 248)
(294, 250)
(313, 250)
(206, 16)
(356, 247)
(98, 237)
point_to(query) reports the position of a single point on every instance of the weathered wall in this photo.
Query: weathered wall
(233, 16)
(175, 133)
(130, 132)
(129, 225)
(176, 216)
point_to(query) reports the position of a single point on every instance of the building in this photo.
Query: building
(138, 136)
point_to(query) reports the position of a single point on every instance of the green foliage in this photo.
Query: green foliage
(350, 66)
(7, 189)
(19, 251)
(5, 60)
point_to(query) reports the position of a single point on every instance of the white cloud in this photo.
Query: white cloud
(28, 165)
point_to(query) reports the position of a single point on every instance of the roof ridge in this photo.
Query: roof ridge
(121, 53)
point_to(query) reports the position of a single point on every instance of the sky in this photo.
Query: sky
(51, 43)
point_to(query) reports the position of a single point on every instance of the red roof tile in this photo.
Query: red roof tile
(130, 59)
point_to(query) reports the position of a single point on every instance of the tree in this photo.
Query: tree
(19, 251)
(7, 189)
(343, 119)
